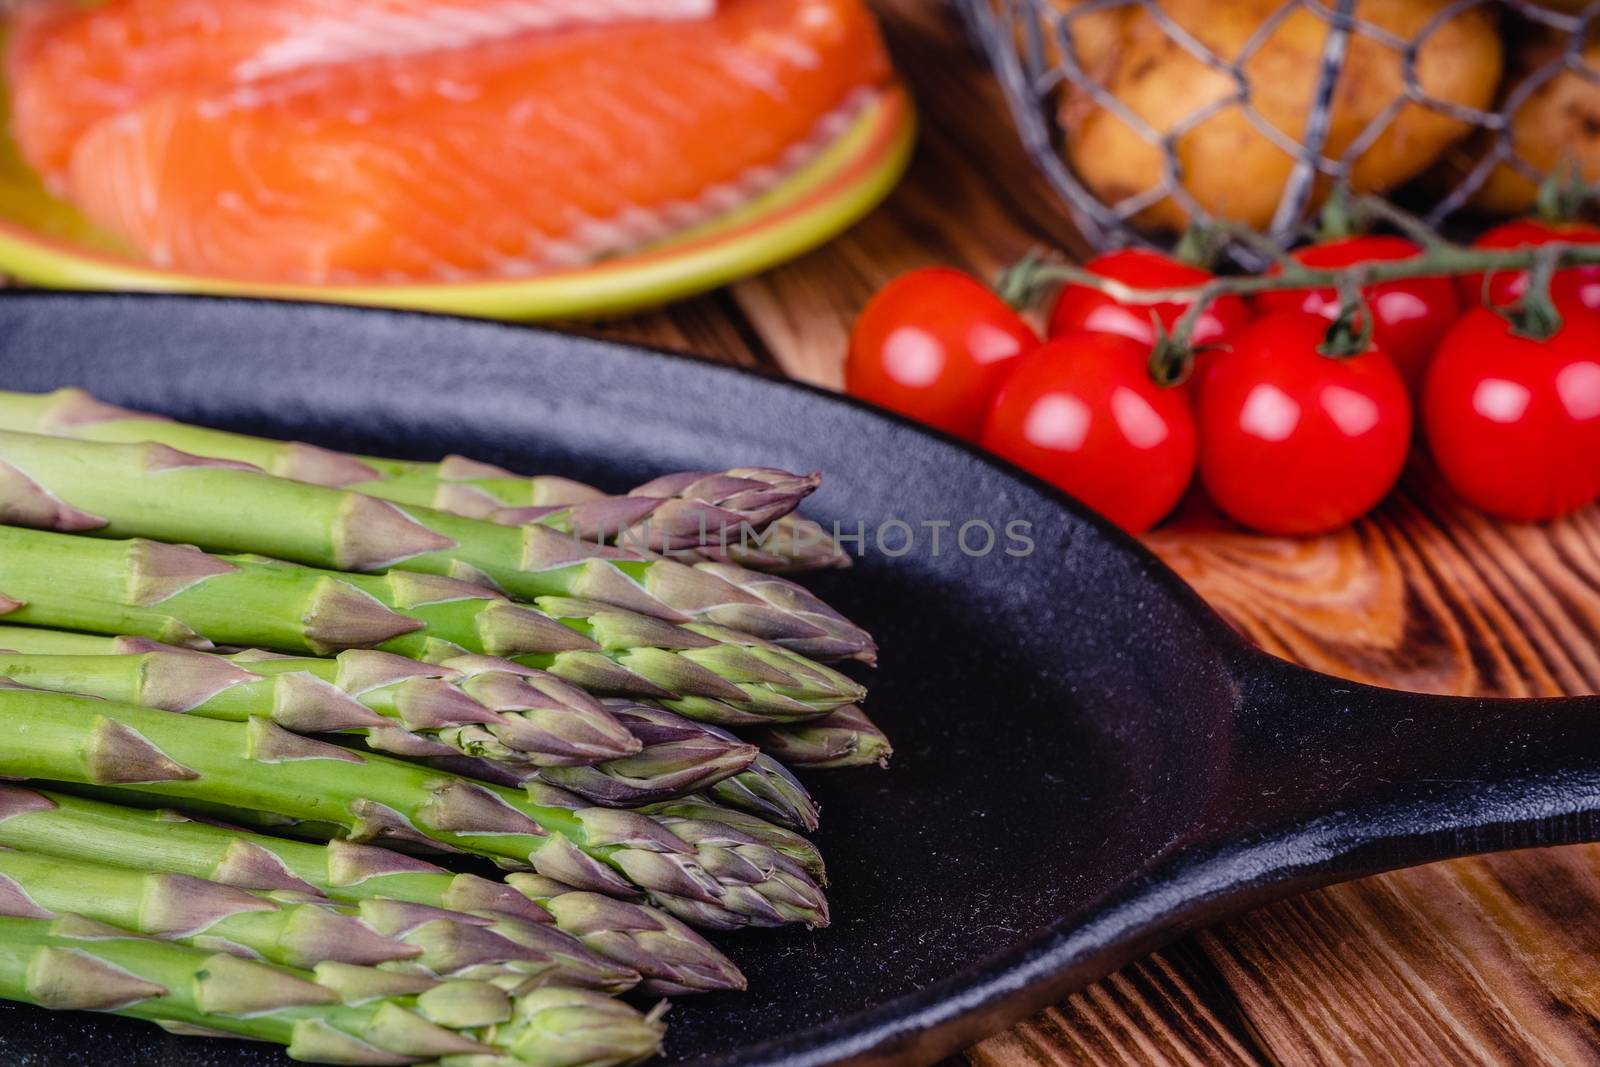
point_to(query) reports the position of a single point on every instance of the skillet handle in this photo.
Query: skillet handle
(1373, 778)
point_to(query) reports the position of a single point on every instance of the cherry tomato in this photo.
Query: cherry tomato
(1293, 441)
(1081, 307)
(1514, 423)
(935, 344)
(1409, 316)
(1569, 288)
(1083, 413)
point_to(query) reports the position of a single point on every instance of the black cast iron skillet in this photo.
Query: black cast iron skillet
(1088, 763)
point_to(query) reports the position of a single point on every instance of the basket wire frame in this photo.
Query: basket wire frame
(1015, 37)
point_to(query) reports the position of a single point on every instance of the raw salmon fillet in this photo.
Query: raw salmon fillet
(500, 160)
(72, 64)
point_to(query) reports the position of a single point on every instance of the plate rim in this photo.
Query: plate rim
(856, 184)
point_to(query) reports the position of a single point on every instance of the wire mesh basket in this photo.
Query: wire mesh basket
(1148, 115)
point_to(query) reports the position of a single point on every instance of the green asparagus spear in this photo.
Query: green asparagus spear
(844, 738)
(731, 841)
(259, 766)
(734, 844)
(790, 545)
(768, 789)
(670, 756)
(180, 595)
(701, 819)
(836, 637)
(399, 705)
(755, 495)
(671, 957)
(295, 932)
(298, 930)
(332, 1014)
(674, 512)
(713, 760)
(717, 517)
(692, 525)
(679, 757)
(728, 840)
(682, 757)
(150, 490)
(558, 1027)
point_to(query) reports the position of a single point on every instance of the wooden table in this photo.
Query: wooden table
(1487, 960)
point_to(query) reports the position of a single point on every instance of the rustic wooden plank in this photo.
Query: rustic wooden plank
(1490, 960)
(711, 325)
(1425, 594)
(1169, 1008)
(1483, 961)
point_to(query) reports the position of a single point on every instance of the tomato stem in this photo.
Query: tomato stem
(1171, 359)
(1021, 284)
(1372, 210)
(1201, 245)
(1439, 258)
(1563, 193)
(1338, 219)
(1535, 316)
(1350, 333)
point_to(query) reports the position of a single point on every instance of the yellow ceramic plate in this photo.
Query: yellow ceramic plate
(45, 242)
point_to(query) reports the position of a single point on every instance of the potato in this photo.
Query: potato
(1096, 36)
(1232, 168)
(1557, 125)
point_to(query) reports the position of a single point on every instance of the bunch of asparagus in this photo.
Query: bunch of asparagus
(360, 659)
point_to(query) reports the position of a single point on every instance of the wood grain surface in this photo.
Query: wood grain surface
(1492, 960)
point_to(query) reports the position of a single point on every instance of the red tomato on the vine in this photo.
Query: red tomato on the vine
(1293, 441)
(1409, 316)
(1571, 287)
(1513, 422)
(1083, 413)
(935, 344)
(1082, 307)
